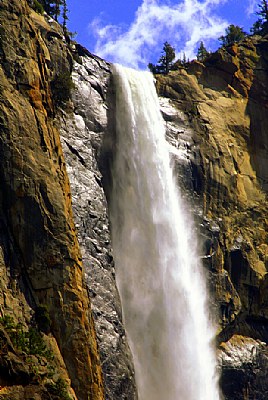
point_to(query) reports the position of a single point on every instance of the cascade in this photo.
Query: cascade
(158, 270)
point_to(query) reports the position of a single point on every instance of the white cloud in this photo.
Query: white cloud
(184, 24)
(252, 6)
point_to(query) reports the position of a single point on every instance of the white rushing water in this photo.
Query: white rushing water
(157, 266)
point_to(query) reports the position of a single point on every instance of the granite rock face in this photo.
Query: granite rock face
(244, 368)
(225, 104)
(83, 129)
(40, 261)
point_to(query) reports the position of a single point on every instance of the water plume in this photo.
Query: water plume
(158, 271)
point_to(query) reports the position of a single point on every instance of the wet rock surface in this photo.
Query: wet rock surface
(218, 99)
(82, 135)
(243, 363)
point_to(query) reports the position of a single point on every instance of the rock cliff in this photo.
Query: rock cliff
(216, 118)
(82, 134)
(42, 281)
(224, 102)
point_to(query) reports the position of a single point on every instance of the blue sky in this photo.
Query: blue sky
(132, 32)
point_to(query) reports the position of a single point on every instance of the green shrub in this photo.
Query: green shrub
(29, 341)
(61, 87)
(8, 322)
(59, 389)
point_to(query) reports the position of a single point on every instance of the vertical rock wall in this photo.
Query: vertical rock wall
(83, 129)
(225, 103)
(40, 261)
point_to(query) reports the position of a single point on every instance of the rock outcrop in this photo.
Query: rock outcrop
(42, 281)
(225, 103)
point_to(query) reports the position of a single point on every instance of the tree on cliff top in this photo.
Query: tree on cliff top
(167, 58)
(65, 17)
(202, 52)
(165, 62)
(55, 9)
(260, 27)
(234, 33)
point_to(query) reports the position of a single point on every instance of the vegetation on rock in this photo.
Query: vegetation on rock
(202, 52)
(165, 61)
(233, 34)
(260, 27)
(55, 9)
(58, 390)
(24, 348)
(38, 7)
(61, 87)
(29, 340)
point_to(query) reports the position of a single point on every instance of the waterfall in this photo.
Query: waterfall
(158, 271)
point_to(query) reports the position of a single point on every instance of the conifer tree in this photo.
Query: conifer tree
(52, 8)
(234, 33)
(152, 68)
(202, 52)
(65, 16)
(261, 25)
(167, 58)
(48, 6)
(58, 3)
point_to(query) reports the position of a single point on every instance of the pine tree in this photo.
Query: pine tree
(167, 58)
(57, 9)
(263, 12)
(234, 33)
(52, 8)
(152, 68)
(202, 52)
(65, 17)
(48, 7)
(260, 27)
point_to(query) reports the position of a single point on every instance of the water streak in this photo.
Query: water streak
(157, 267)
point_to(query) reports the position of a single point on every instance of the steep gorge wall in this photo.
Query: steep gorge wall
(42, 281)
(84, 129)
(225, 102)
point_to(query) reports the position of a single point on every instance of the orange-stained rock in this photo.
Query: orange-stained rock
(223, 125)
(40, 260)
(225, 102)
